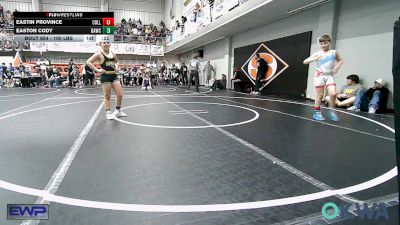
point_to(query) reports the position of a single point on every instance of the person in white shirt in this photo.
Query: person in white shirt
(194, 66)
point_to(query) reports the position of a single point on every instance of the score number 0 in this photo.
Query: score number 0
(108, 22)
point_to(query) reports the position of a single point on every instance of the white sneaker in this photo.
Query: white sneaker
(187, 91)
(354, 109)
(371, 110)
(119, 113)
(109, 115)
(256, 93)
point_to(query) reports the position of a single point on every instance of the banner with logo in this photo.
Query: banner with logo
(157, 50)
(198, 14)
(286, 74)
(142, 50)
(221, 7)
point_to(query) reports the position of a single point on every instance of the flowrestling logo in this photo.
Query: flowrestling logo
(275, 65)
(375, 211)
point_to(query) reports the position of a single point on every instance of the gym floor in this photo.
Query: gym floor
(215, 158)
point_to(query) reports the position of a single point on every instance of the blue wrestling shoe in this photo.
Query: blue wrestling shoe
(318, 116)
(333, 116)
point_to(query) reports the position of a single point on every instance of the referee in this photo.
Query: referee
(194, 66)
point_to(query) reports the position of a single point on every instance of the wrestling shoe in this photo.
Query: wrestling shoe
(119, 113)
(318, 116)
(333, 116)
(109, 115)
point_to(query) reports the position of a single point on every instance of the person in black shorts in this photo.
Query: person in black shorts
(109, 79)
(70, 76)
(89, 76)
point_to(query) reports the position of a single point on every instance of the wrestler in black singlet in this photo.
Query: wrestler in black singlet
(109, 76)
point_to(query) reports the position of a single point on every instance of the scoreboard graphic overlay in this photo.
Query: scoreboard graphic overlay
(64, 26)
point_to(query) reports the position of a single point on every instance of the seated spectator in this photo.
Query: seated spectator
(219, 83)
(348, 92)
(134, 31)
(374, 99)
(55, 78)
(76, 77)
(235, 78)
(240, 82)
(146, 83)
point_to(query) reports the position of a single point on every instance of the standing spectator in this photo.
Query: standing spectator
(375, 99)
(42, 78)
(1, 11)
(162, 24)
(4, 73)
(196, 11)
(262, 68)
(2, 23)
(10, 73)
(1, 76)
(209, 73)
(133, 75)
(160, 79)
(139, 76)
(175, 74)
(70, 69)
(183, 20)
(89, 76)
(184, 73)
